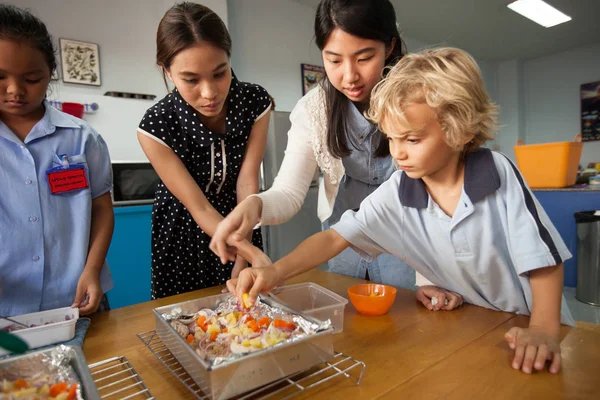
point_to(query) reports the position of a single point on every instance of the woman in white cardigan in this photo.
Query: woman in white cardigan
(357, 39)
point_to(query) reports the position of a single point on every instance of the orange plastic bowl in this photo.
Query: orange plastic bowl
(372, 298)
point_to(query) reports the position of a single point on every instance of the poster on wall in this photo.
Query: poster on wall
(80, 62)
(590, 111)
(311, 76)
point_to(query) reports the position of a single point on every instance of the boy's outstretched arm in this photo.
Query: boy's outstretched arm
(311, 253)
(541, 341)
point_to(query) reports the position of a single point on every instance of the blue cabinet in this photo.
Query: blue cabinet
(129, 256)
(561, 205)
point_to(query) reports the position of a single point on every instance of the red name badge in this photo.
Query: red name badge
(67, 180)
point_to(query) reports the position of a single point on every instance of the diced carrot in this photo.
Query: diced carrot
(213, 336)
(201, 320)
(189, 338)
(72, 392)
(280, 323)
(264, 321)
(21, 384)
(248, 318)
(224, 330)
(58, 388)
(253, 325)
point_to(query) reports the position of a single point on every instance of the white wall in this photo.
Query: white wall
(508, 96)
(553, 111)
(271, 38)
(540, 99)
(126, 34)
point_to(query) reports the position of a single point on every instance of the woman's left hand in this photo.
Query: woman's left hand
(89, 292)
(239, 266)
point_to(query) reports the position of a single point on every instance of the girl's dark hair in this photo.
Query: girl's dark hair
(184, 25)
(20, 25)
(368, 19)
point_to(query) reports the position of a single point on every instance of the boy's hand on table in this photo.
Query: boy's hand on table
(534, 346)
(435, 298)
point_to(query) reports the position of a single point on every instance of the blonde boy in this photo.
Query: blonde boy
(462, 216)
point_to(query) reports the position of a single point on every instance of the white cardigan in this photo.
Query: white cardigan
(305, 152)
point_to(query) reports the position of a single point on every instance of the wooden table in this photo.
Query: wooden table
(409, 352)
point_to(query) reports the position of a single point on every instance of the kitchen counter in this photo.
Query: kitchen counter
(561, 205)
(568, 189)
(409, 352)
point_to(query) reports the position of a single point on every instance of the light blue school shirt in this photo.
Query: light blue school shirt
(485, 251)
(44, 238)
(363, 174)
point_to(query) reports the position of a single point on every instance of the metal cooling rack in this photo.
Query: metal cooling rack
(116, 378)
(339, 366)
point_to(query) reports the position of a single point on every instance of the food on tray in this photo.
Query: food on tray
(246, 300)
(219, 334)
(37, 389)
(15, 327)
(234, 329)
(41, 375)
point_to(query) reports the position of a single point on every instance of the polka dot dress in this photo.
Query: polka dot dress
(181, 258)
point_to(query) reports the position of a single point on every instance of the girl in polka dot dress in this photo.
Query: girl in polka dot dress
(206, 140)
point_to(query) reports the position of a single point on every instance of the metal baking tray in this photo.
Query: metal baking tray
(251, 371)
(78, 363)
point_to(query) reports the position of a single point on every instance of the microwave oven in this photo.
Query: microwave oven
(134, 183)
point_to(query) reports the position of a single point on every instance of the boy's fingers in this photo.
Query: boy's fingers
(254, 292)
(424, 299)
(440, 301)
(454, 301)
(244, 283)
(518, 358)
(556, 361)
(530, 354)
(540, 359)
(511, 337)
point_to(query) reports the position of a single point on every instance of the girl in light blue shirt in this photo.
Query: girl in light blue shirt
(56, 216)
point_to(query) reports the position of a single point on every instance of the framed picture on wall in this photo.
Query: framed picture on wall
(590, 111)
(80, 62)
(311, 76)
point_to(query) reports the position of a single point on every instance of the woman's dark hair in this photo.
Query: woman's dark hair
(20, 25)
(368, 19)
(184, 25)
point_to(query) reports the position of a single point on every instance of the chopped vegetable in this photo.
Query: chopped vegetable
(58, 388)
(280, 323)
(21, 384)
(246, 300)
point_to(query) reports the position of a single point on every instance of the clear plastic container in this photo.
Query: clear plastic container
(51, 326)
(314, 300)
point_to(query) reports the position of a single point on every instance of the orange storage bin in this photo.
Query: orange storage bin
(549, 165)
